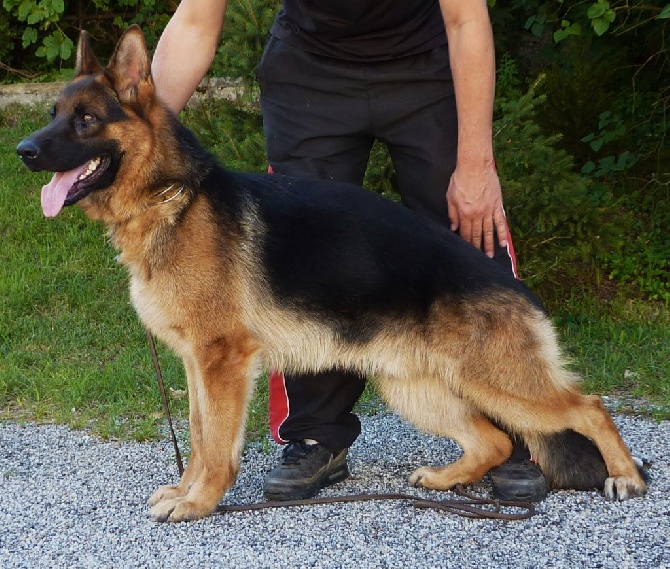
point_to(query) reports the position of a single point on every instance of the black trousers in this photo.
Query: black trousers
(321, 116)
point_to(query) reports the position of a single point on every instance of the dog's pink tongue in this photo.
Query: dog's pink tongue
(55, 192)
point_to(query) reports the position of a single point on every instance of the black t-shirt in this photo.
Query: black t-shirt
(371, 30)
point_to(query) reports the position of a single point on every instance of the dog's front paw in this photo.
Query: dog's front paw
(167, 492)
(623, 488)
(422, 477)
(179, 510)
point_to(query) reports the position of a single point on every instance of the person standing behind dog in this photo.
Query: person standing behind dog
(335, 76)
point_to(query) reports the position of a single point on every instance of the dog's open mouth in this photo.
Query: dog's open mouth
(66, 188)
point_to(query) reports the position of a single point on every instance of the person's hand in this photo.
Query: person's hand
(474, 198)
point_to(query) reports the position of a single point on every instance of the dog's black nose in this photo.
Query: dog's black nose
(27, 150)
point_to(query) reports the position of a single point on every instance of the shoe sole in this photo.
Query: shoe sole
(518, 482)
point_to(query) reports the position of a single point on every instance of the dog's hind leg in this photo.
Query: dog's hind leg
(484, 447)
(516, 375)
(431, 406)
(587, 415)
(222, 378)
(554, 410)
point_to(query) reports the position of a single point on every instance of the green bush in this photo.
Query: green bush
(618, 137)
(232, 130)
(6, 37)
(562, 222)
(47, 30)
(245, 32)
(643, 257)
(605, 88)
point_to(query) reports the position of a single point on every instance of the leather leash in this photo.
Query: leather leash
(164, 400)
(468, 506)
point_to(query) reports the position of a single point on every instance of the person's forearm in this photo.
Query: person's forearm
(472, 61)
(474, 195)
(186, 50)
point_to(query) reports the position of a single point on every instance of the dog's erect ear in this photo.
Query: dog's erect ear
(87, 63)
(130, 67)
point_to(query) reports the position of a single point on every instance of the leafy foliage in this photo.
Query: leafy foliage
(39, 16)
(247, 25)
(48, 29)
(604, 89)
(233, 131)
(559, 219)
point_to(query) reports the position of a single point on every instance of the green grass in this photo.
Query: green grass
(72, 350)
(620, 347)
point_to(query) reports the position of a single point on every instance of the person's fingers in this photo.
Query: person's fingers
(476, 233)
(454, 220)
(481, 222)
(502, 231)
(489, 236)
(452, 208)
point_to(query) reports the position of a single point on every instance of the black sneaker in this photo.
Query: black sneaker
(519, 480)
(305, 469)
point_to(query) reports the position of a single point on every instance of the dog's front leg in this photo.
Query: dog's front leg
(171, 491)
(220, 379)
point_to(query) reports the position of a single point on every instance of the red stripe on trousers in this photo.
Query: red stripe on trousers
(278, 404)
(510, 250)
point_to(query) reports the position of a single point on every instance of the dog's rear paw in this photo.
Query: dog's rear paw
(621, 488)
(179, 510)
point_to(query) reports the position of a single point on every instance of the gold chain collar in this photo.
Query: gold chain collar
(173, 196)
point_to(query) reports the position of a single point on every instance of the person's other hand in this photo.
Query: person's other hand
(474, 198)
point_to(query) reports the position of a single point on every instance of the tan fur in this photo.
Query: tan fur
(202, 289)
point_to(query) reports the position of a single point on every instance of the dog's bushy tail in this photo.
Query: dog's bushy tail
(571, 461)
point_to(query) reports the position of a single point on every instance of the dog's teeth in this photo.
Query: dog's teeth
(91, 167)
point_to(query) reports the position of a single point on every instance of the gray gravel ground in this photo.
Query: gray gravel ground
(73, 501)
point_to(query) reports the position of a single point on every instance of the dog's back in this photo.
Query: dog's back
(321, 242)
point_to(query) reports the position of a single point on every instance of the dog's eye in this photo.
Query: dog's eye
(52, 112)
(85, 123)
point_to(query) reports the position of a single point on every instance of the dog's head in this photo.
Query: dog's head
(102, 116)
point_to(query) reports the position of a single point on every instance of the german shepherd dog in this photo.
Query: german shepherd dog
(240, 272)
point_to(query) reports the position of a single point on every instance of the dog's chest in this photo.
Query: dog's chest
(157, 309)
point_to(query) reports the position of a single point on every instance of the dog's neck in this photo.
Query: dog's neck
(167, 196)
(147, 238)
